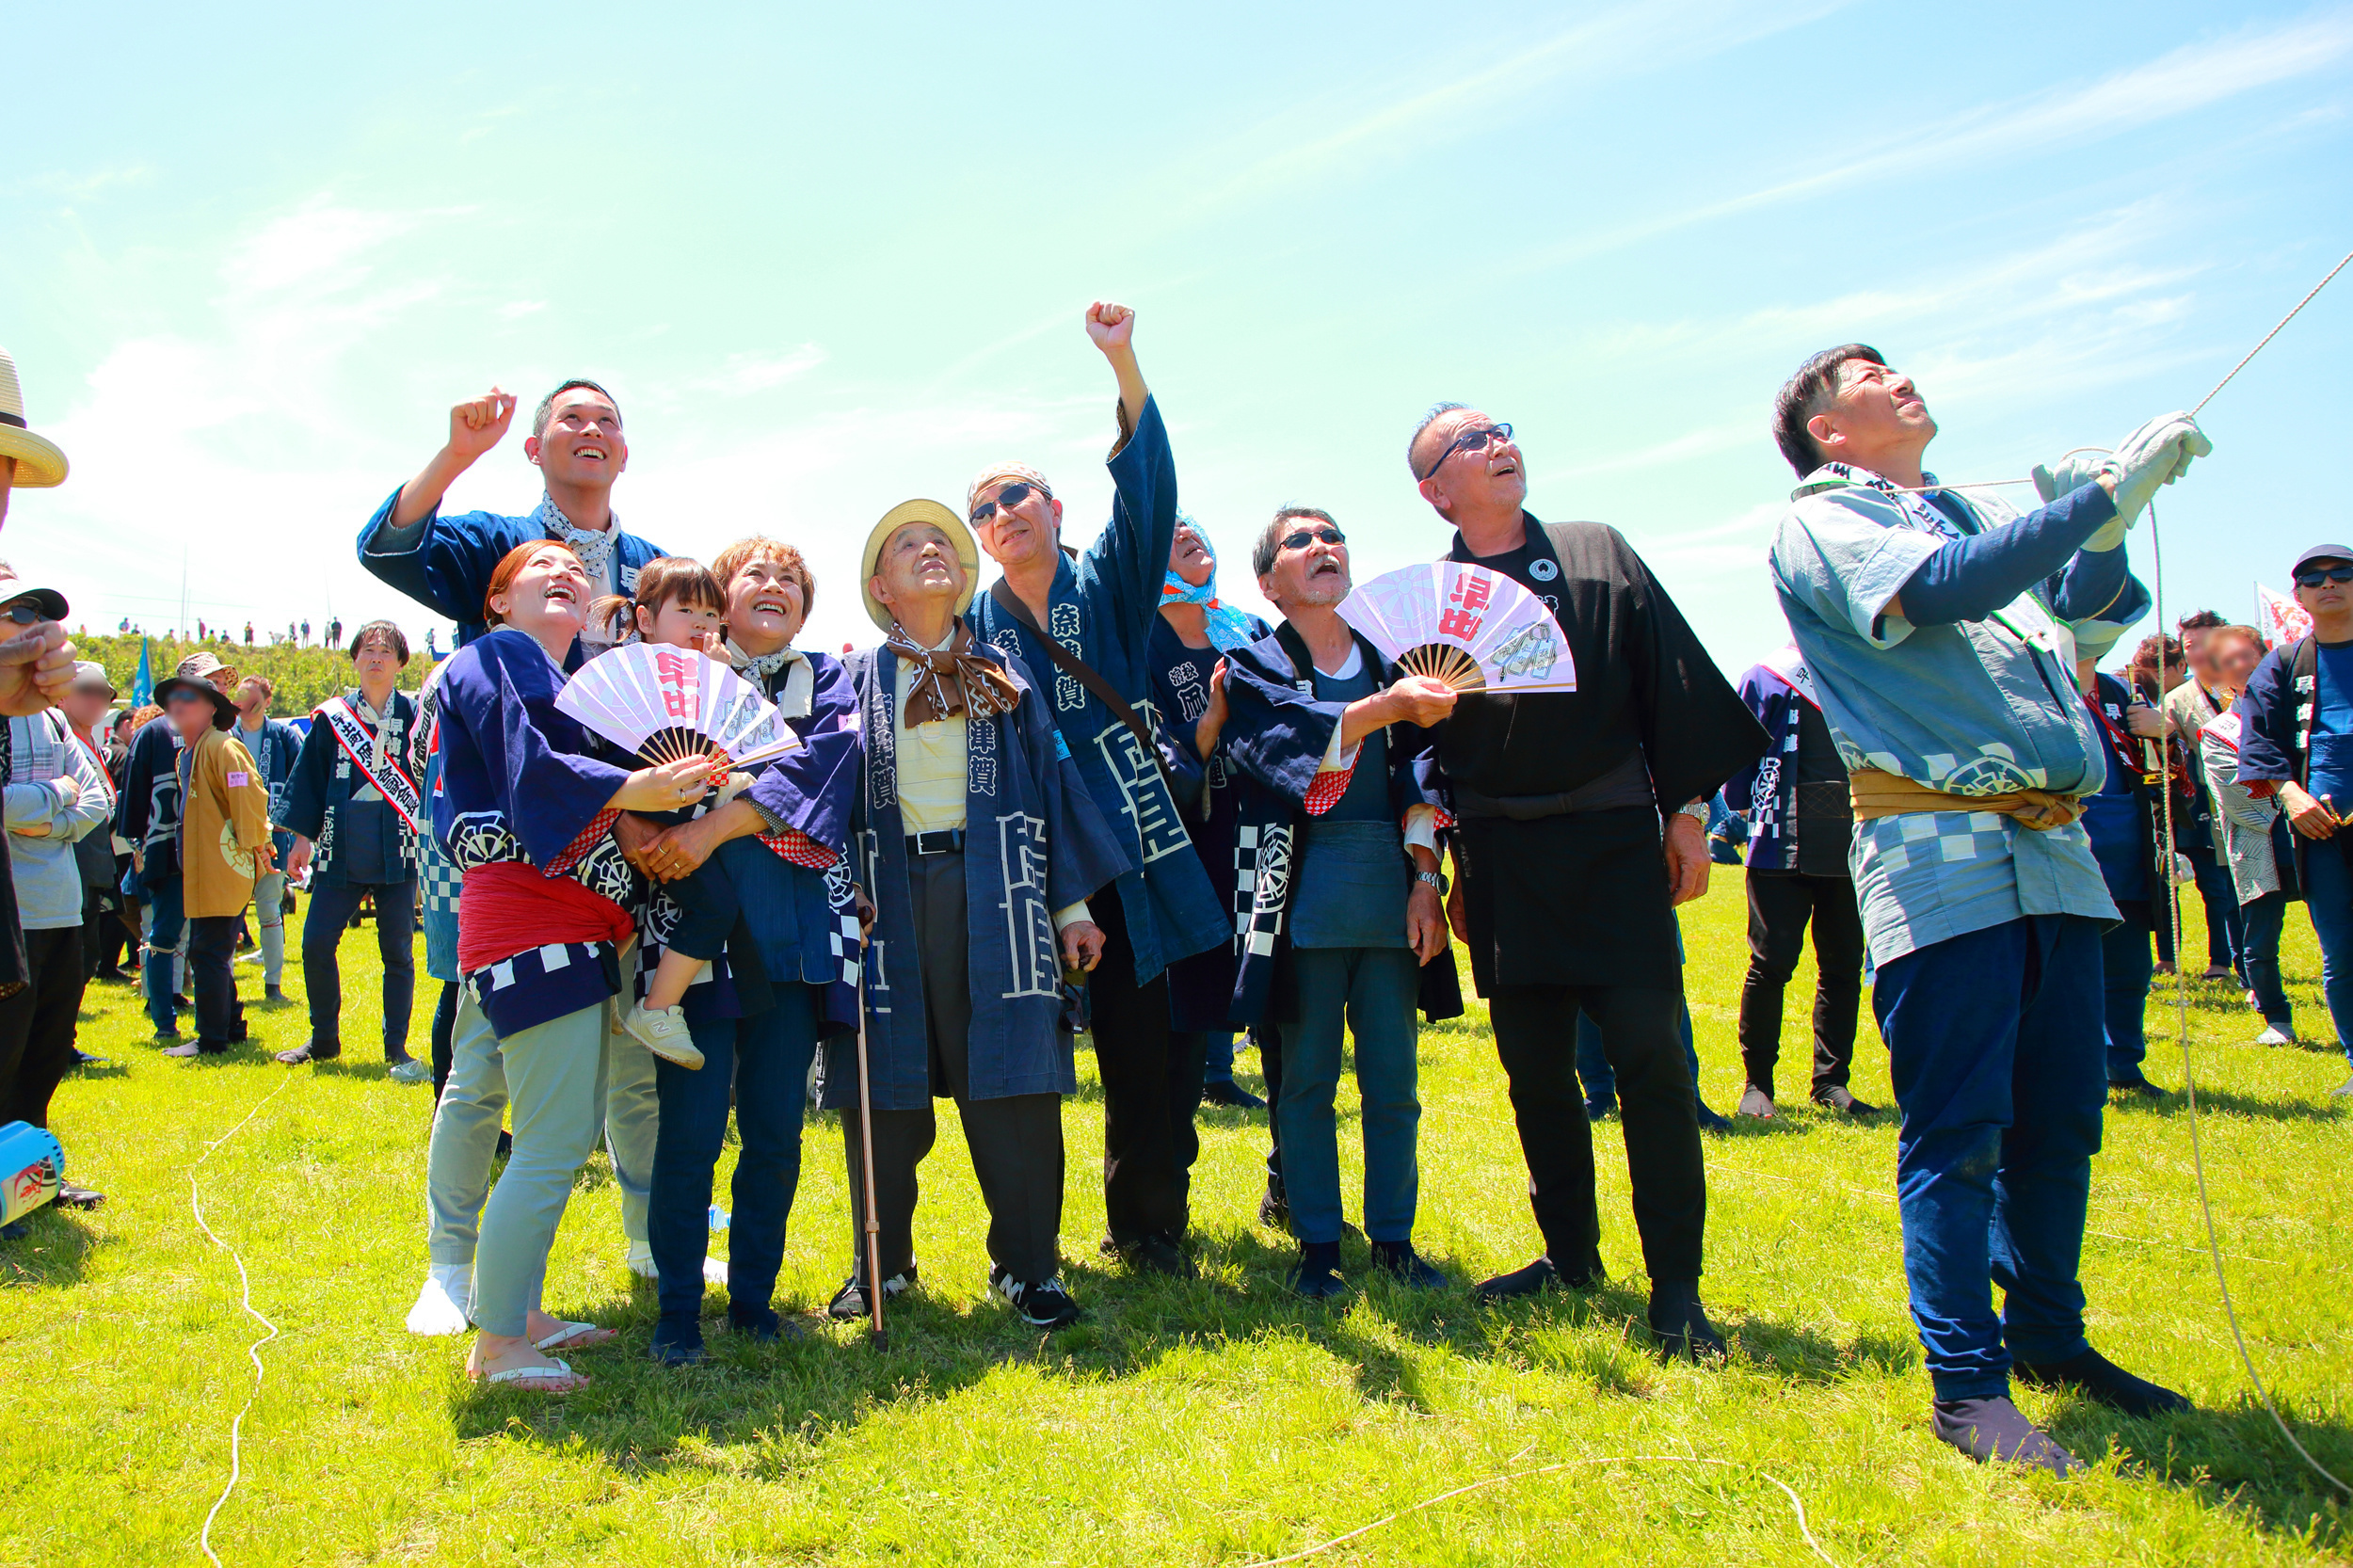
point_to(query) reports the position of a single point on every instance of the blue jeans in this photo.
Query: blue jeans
(1994, 1043)
(765, 1060)
(2329, 897)
(323, 928)
(2260, 923)
(1217, 1060)
(1592, 1068)
(2125, 968)
(2226, 937)
(161, 957)
(1375, 989)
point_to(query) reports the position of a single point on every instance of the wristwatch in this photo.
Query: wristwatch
(1435, 879)
(1695, 810)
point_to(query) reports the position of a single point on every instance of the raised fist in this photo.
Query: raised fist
(1111, 326)
(476, 424)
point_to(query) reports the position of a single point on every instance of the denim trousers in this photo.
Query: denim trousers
(2328, 898)
(323, 929)
(764, 1061)
(1368, 992)
(2260, 922)
(213, 979)
(1994, 1043)
(2225, 939)
(2125, 968)
(166, 926)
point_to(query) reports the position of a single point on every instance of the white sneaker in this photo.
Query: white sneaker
(714, 1270)
(1757, 1103)
(414, 1070)
(443, 1302)
(641, 1264)
(2275, 1035)
(664, 1032)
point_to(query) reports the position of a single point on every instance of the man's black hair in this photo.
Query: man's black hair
(1807, 393)
(390, 633)
(547, 404)
(2199, 621)
(1270, 543)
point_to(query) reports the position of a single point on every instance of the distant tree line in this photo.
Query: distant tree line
(303, 677)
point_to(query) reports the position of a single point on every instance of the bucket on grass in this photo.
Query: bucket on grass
(32, 1169)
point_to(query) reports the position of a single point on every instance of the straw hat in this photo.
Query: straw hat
(870, 560)
(39, 463)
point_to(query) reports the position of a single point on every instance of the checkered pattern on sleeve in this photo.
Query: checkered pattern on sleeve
(440, 880)
(591, 835)
(799, 848)
(1324, 791)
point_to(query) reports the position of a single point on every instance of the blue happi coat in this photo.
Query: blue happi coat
(273, 751)
(518, 783)
(1034, 843)
(445, 563)
(1276, 736)
(324, 781)
(1102, 609)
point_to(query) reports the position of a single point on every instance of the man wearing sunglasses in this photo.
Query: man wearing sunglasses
(2297, 741)
(1942, 630)
(1086, 620)
(1565, 804)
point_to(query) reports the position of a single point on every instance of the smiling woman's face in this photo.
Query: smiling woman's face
(765, 606)
(548, 598)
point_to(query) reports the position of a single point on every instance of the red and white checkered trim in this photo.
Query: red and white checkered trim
(800, 849)
(1324, 791)
(599, 825)
(1444, 820)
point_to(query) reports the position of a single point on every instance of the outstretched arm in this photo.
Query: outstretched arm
(1113, 330)
(475, 426)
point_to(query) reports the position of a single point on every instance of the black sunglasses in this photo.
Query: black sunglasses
(2313, 579)
(1011, 496)
(1326, 533)
(1469, 440)
(24, 614)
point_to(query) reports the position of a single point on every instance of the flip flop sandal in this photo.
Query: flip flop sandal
(574, 1336)
(534, 1377)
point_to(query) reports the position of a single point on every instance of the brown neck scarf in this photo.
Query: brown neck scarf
(955, 681)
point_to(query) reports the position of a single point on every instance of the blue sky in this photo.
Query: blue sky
(830, 260)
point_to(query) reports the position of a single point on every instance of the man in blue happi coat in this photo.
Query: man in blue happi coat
(979, 846)
(2295, 743)
(1942, 630)
(1083, 623)
(445, 563)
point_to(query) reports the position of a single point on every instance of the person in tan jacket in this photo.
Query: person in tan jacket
(224, 846)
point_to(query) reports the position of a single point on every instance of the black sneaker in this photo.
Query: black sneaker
(2136, 1089)
(273, 996)
(678, 1343)
(849, 1302)
(312, 1051)
(1045, 1304)
(764, 1325)
(1996, 1429)
(2095, 1377)
(1317, 1274)
(1680, 1323)
(180, 1004)
(1710, 1121)
(1402, 1263)
(1275, 1207)
(1157, 1253)
(1225, 1092)
(1836, 1097)
(1537, 1276)
(1600, 1106)
(70, 1196)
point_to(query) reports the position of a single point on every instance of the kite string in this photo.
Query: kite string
(1796, 1503)
(245, 1300)
(2181, 1017)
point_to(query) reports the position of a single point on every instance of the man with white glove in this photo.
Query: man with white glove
(1941, 628)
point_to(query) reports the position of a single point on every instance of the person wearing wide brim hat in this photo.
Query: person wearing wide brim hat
(959, 533)
(208, 667)
(34, 460)
(224, 710)
(956, 733)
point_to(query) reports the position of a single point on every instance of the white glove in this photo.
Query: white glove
(2072, 474)
(2156, 453)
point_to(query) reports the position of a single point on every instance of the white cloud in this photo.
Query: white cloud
(744, 374)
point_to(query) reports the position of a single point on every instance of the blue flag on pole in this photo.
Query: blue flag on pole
(143, 683)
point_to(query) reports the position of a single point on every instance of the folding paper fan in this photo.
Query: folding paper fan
(667, 703)
(1473, 629)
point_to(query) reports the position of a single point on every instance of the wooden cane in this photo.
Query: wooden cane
(866, 1170)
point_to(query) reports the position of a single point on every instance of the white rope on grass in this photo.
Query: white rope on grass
(1796, 1503)
(2181, 998)
(245, 1300)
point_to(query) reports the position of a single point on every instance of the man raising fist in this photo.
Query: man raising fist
(445, 563)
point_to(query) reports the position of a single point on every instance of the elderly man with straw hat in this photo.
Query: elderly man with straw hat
(979, 847)
(1088, 619)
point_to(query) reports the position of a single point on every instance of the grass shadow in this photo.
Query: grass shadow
(2233, 1458)
(54, 1253)
(2225, 1101)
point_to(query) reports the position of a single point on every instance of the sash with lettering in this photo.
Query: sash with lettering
(358, 740)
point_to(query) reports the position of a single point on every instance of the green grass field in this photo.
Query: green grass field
(1209, 1422)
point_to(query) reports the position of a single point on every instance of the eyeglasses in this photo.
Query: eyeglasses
(24, 613)
(1469, 440)
(1326, 533)
(2318, 575)
(1011, 496)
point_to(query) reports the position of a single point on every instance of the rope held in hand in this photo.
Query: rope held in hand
(245, 1300)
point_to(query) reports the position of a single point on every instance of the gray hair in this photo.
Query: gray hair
(1270, 543)
(1427, 421)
